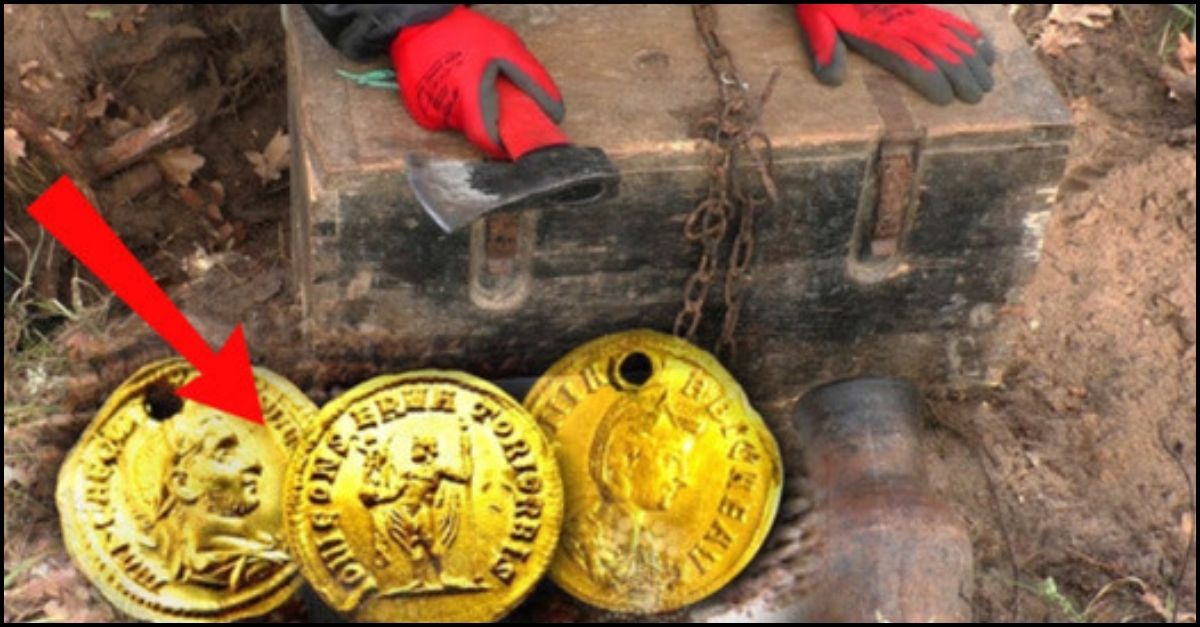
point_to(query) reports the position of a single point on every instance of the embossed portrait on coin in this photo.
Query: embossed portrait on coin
(210, 481)
(414, 511)
(638, 462)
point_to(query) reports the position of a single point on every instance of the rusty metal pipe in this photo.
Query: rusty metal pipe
(866, 539)
(886, 548)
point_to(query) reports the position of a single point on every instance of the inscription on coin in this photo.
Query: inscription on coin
(418, 491)
(672, 479)
(178, 517)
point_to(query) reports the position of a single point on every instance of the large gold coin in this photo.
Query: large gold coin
(426, 496)
(173, 509)
(671, 478)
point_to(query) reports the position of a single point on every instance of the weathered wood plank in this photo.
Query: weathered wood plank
(371, 265)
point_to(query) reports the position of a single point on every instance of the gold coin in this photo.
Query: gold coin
(424, 496)
(173, 509)
(671, 478)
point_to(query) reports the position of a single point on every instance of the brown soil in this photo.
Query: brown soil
(1090, 443)
(1078, 467)
(226, 62)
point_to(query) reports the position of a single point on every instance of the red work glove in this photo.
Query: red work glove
(940, 55)
(468, 72)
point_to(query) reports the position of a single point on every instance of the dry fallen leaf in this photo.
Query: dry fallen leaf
(97, 106)
(197, 264)
(82, 344)
(274, 159)
(217, 192)
(1064, 23)
(1092, 16)
(46, 581)
(59, 134)
(128, 24)
(137, 117)
(178, 164)
(57, 611)
(74, 608)
(191, 198)
(14, 146)
(36, 83)
(115, 127)
(26, 67)
(1055, 40)
(15, 475)
(1187, 54)
(1165, 612)
(35, 79)
(360, 285)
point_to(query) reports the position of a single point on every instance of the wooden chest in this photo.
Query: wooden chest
(830, 293)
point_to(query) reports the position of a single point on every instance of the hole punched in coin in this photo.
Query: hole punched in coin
(161, 402)
(634, 370)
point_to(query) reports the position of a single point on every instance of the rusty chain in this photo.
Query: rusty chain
(732, 133)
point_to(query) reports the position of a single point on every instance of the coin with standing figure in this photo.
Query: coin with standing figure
(424, 496)
(173, 509)
(671, 478)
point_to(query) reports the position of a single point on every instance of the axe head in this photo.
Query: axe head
(456, 193)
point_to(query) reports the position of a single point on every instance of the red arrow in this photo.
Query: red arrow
(226, 381)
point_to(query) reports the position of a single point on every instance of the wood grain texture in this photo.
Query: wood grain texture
(635, 82)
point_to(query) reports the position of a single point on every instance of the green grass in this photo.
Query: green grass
(1182, 20)
(1188, 18)
(1047, 590)
(1138, 602)
(35, 363)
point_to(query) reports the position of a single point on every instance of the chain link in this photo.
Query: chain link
(732, 133)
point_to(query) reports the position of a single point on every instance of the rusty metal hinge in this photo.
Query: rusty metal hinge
(501, 260)
(895, 176)
(891, 200)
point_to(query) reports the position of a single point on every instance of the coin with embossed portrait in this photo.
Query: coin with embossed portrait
(425, 496)
(671, 478)
(174, 509)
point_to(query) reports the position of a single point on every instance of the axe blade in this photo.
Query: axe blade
(456, 193)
